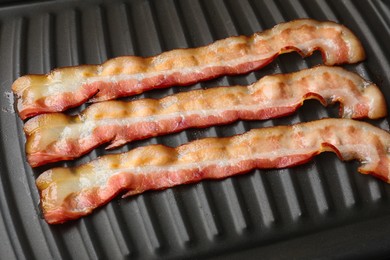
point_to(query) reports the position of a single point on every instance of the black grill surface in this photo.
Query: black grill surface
(323, 209)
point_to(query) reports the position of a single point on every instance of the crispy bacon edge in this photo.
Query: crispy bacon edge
(69, 193)
(69, 87)
(56, 136)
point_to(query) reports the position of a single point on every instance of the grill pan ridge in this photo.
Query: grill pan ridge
(323, 208)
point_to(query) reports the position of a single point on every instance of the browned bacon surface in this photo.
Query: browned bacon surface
(124, 76)
(54, 137)
(69, 193)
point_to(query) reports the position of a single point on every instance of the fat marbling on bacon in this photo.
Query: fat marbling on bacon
(56, 136)
(68, 87)
(69, 193)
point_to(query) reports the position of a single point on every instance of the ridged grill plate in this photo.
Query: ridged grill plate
(323, 208)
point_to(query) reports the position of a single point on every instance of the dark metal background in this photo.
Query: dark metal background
(324, 208)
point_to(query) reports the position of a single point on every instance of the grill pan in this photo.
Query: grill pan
(323, 209)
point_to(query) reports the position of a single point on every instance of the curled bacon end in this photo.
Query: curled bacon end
(54, 137)
(125, 76)
(69, 193)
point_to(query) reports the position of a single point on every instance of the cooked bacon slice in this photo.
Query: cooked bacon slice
(125, 76)
(55, 137)
(69, 193)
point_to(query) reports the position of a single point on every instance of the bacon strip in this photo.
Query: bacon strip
(125, 76)
(69, 193)
(55, 137)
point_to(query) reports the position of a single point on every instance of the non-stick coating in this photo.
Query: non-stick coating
(324, 208)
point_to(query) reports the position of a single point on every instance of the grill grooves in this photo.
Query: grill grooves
(270, 11)
(103, 220)
(17, 33)
(237, 215)
(205, 212)
(87, 233)
(195, 23)
(257, 210)
(114, 218)
(11, 232)
(68, 39)
(173, 232)
(263, 200)
(95, 38)
(39, 44)
(318, 195)
(149, 240)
